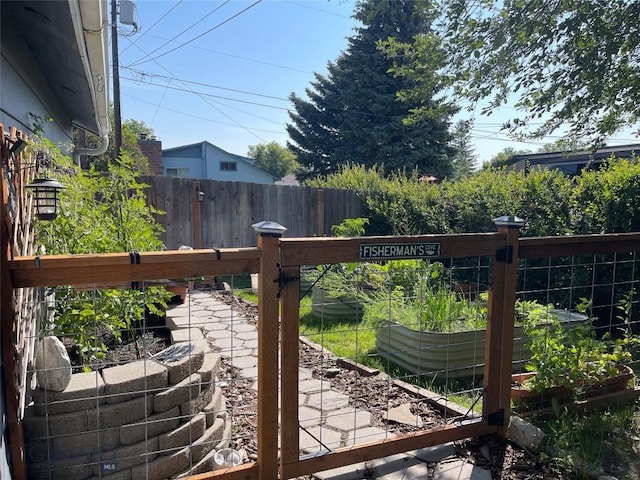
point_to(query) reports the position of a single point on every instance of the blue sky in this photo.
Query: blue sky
(222, 71)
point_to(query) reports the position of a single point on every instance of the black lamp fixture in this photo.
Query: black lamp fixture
(46, 191)
(17, 146)
(200, 194)
(46, 196)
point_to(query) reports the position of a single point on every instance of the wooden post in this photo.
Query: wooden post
(320, 218)
(500, 325)
(197, 221)
(7, 334)
(290, 344)
(268, 329)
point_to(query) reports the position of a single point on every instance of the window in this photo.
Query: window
(177, 172)
(228, 166)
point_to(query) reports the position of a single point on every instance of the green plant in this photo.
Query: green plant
(419, 295)
(574, 358)
(101, 213)
(85, 316)
(600, 442)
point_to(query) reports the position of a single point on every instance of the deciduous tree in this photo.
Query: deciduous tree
(570, 64)
(273, 158)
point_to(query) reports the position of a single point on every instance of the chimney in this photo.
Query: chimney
(152, 149)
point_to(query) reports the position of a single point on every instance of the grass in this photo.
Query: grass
(345, 338)
(584, 444)
(356, 340)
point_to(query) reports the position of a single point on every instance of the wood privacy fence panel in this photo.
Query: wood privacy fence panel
(228, 210)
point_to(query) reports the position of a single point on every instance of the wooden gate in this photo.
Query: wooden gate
(295, 253)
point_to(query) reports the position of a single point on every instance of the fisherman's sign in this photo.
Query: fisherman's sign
(387, 251)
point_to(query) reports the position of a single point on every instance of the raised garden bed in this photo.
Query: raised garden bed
(459, 354)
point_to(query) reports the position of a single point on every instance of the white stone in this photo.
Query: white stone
(402, 414)
(52, 364)
(524, 434)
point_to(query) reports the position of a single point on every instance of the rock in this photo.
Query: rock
(402, 414)
(606, 477)
(52, 364)
(524, 434)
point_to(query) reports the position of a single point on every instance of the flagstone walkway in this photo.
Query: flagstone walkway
(326, 419)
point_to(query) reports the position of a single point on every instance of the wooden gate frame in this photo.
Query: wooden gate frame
(294, 253)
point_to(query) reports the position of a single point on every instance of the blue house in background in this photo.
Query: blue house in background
(206, 161)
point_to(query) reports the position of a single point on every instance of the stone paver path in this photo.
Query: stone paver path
(327, 421)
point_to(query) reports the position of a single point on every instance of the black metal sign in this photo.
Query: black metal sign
(387, 251)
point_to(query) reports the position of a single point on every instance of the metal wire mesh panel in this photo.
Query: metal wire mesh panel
(157, 386)
(584, 342)
(389, 348)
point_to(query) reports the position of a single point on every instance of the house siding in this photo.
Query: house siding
(204, 161)
(25, 91)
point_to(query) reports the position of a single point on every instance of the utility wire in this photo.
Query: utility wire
(247, 59)
(206, 119)
(190, 82)
(142, 60)
(209, 102)
(154, 24)
(203, 94)
(201, 35)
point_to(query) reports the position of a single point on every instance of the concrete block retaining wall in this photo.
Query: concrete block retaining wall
(150, 419)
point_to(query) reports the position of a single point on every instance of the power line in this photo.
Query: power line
(191, 115)
(154, 75)
(140, 60)
(202, 34)
(302, 5)
(154, 24)
(239, 57)
(206, 100)
(190, 90)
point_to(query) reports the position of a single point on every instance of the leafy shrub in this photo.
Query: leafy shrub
(100, 213)
(403, 205)
(574, 357)
(607, 200)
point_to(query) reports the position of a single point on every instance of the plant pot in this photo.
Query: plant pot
(528, 399)
(335, 307)
(612, 384)
(521, 397)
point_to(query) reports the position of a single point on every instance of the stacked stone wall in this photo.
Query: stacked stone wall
(150, 419)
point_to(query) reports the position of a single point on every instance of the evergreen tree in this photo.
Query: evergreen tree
(355, 114)
(464, 156)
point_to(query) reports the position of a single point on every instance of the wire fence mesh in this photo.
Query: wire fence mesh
(386, 349)
(152, 392)
(403, 345)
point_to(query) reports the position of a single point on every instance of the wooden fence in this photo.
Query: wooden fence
(228, 209)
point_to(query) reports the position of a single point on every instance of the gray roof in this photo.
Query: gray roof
(571, 157)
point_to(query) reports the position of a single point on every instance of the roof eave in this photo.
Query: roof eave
(90, 22)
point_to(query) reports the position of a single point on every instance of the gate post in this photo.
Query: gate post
(500, 325)
(268, 324)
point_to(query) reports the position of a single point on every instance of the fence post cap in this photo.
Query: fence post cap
(509, 221)
(268, 228)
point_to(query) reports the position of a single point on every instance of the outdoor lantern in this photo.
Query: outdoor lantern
(47, 201)
(200, 194)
